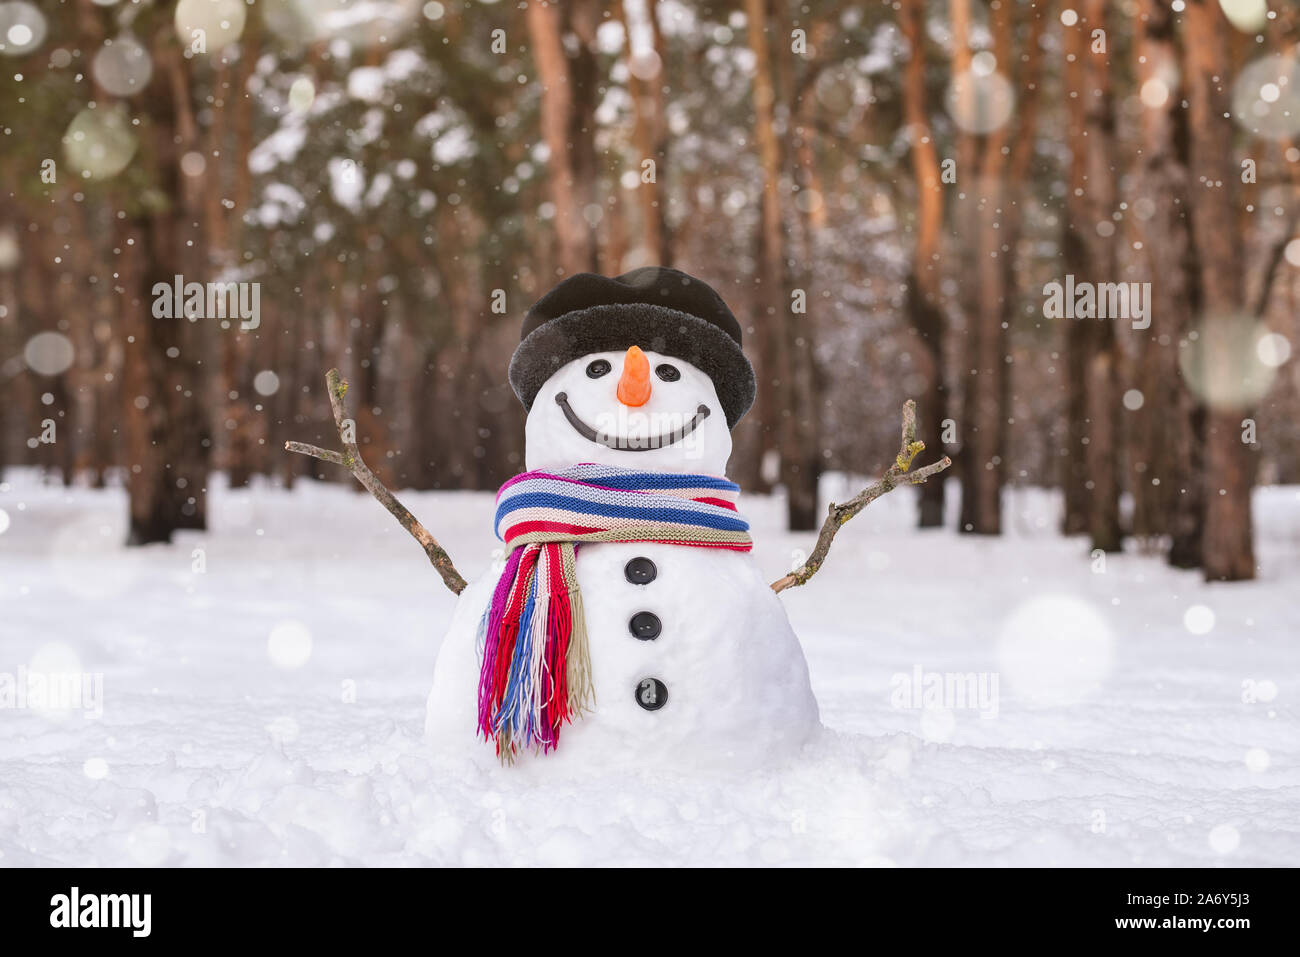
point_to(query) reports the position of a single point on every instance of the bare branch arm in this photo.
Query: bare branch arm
(350, 458)
(897, 475)
(325, 455)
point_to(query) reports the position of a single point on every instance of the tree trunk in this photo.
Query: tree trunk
(8, 304)
(1074, 259)
(1102, 456)
(788, 358)
(166, 432)
(984, 449)
(1229, 541)
(1168, 434)
(568, 126)
(650, 136)
(923, 309)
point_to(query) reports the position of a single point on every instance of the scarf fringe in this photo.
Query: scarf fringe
(536, 673)
(579, 693)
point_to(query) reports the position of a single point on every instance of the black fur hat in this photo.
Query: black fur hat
(660, 310)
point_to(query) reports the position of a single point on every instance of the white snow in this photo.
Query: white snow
(347, 182)
(454, 146)
(366, 83)
(282, 146)
(268, 708)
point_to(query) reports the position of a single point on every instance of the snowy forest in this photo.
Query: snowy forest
(1068, 230)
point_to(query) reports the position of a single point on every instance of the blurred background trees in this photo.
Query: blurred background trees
(881, 192)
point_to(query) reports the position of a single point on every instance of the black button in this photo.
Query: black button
(640, 571)
(645, 626)
(651, 694)
(667, 372)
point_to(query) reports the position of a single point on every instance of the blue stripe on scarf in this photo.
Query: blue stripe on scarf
(640, 481)
(578, 507)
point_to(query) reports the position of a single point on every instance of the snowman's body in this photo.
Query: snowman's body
(737, 686)
(692, 660)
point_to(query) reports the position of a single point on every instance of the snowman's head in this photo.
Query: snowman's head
(642, 371)
(635, 409)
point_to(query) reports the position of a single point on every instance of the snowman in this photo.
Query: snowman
(629, 623)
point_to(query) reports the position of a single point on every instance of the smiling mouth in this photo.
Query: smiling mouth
(629, 443)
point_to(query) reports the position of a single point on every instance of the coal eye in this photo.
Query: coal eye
(667, 372)
(598, 368)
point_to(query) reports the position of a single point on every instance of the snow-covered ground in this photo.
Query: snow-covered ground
(263, 697)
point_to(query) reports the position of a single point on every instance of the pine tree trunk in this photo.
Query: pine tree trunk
(649, 135)
(1229, 464)
(568, 126)
(167, 442)
(1102, 457)
(984, 445)
(1167, 444)
(1074, 259)
(788, 357)
(968, 227)
(923, 310)
(8, 313)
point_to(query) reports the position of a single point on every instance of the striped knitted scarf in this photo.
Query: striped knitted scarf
(536, 672)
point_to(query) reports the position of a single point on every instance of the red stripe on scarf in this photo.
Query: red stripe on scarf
(720, 502)
(523, 528)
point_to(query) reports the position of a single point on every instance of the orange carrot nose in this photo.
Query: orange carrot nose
(634, 385)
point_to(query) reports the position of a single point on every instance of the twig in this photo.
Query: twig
(350, 459)
(837, 515)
